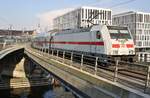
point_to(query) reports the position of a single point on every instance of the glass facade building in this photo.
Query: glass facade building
(83, 17)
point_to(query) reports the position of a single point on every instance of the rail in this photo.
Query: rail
(129, 74)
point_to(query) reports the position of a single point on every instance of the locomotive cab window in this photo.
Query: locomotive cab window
(98, 35)
(120, 34)
(125, 34)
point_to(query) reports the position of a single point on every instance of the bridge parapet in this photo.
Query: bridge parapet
(9, 50)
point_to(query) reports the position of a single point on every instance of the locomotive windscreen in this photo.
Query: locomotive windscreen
(116, 28)
(119, 32)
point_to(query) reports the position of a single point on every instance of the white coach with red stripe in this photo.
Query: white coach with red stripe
(100, 39)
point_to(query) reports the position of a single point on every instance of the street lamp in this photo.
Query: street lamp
(10, 32)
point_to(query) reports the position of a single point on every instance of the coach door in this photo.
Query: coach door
(97, 42)
(51, 42)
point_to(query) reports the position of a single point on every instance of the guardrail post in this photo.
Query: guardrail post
(147, 78)
(42, 51)
(57, 52)
(52, 52)
(48, 51)
(116, 71)
(63, 56)
(39, 51)
(71, 58)
(96, 65)
(4, 45)
(45, 50)
(81, 62)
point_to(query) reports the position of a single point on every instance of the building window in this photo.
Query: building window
(97, 14)
(143, 37)
(101, 13)
(85, 13)
(109, 15)
(82, 13)
(105, 15)
(139, 18)
(88, 13)
(139, 43)
(147, 18)
(133, 18)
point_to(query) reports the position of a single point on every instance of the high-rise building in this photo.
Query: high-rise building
(83, 17)
(139, 25)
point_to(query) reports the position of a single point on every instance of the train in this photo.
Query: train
(5, 41)
(99, 40)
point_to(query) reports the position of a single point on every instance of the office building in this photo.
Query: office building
(83, 17)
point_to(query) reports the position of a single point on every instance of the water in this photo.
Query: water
(36, 92)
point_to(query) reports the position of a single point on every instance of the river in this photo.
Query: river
(37, 92)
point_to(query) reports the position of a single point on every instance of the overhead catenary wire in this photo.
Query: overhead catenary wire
(122, 3)
(113, 6)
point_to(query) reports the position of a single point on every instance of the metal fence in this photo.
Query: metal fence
(133, 74)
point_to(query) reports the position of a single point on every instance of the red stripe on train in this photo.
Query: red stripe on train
(115, 46)
(118, 45)
(80, 43)
(75, 43)
(129, 45)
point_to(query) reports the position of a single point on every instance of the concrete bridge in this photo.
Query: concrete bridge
(84, 82)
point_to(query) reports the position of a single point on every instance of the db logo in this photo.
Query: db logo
(122, 46)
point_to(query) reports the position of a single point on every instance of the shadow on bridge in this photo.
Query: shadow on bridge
(7, 66)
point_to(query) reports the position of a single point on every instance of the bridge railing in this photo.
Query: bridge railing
(115, 70)
(2, 47)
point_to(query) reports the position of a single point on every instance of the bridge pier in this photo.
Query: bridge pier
(0, 77)
(32, 67)
(1, 68)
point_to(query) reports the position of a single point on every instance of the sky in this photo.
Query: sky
(27, 14)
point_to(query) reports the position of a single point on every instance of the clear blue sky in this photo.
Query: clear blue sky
(23, 13)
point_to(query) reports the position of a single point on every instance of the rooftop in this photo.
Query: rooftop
(130, 12)
(85, 7)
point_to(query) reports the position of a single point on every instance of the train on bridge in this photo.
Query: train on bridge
(4, 41)
(99, 40)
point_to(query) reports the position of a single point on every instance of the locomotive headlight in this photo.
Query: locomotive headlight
(115, 52)
(131, 52)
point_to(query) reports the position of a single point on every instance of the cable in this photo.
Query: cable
(122, 3)
(116, 5)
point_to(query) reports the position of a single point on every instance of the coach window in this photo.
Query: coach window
(98, 35)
